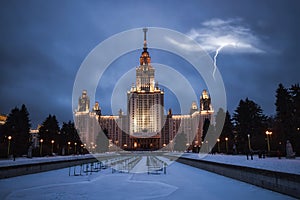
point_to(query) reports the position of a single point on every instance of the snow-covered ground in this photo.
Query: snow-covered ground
(273, 164)
(24, 160)
(180, 182)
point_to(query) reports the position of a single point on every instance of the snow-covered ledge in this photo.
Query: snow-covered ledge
(281, 182)
(23, 166)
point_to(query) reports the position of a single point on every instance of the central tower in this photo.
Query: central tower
(145, 105)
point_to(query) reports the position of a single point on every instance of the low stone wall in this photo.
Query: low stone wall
(285, 183)
(42, 166)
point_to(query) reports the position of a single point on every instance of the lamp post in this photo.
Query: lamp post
(207, 146)
(8, 147)
(52, 143)
(75, 144)
(226, 139)
(249, 143)
(218, 140)
(41, 147)
(81, 149)
(69, 148)
(187, 146)
(268, 133)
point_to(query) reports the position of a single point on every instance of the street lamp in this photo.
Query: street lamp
(75, 144)
(249, 143)
(52, 143)
(268, 133)
(41, 147)
(187, 145)
(8, 147)
(218, 140)
(226, 139)
(207, 146)
(69, 148)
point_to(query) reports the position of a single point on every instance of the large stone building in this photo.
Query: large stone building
(87, 121)
(145, 126)
(145, 106)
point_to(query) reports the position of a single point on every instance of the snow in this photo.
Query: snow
(273, 163)
(180, 182)
(141, 166)
(34, 160)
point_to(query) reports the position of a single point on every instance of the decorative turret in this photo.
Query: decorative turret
(97, 108)
(205, 101)
(84, 102)
(194, 107)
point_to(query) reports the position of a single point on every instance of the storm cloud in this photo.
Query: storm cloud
(43, 43)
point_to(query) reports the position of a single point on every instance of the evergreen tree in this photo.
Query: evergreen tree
(68, 134)
(220, 121)
(228, 127)
(227, 132)
(224, 128)
(49, 131)
(206, 125)
(18, 127)
(284, 116)
(295, 129)
(250, 120)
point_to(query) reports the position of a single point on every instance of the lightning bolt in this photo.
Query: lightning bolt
(216, 55)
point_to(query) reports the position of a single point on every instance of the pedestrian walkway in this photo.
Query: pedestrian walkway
(141, 167)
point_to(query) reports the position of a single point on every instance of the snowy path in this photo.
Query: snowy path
(141, 166)
(180, 182)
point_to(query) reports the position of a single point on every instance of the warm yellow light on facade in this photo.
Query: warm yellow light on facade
(41, 140)
(9, 137)
(52, 141)
(226, 138)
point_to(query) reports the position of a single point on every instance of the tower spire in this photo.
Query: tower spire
(145, 58)
(145, 37)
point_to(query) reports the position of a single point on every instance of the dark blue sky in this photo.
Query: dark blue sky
(43, 43)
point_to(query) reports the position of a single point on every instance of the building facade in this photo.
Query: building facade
(145, 103)
(87, 121)
(145, 126)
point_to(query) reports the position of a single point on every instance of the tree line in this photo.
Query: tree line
(249, 129)
(16, 140)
